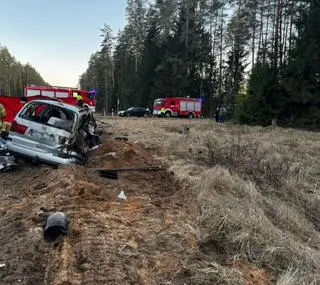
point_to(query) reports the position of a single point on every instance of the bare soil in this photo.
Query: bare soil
(147, 239)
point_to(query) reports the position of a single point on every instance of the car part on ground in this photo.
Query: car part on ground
(3, 145)
(53, 132)
(113, 173)
(122, 195)
(125, 139)
(56, 225)
(7, 162)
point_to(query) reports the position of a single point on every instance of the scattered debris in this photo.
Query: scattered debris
(57, 224)
(112, 154)
(185, 131)
(7, 162)
(122, 196)
(3, 145)
(2, 265)
(125, 139)
(113, 173)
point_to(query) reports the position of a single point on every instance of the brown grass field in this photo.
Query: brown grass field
(237, 205)
(256, 190)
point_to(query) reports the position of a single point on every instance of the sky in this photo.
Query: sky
(57, 37)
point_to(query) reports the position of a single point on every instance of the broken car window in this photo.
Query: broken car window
(49, 115)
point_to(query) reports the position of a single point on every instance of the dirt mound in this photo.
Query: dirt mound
(116, 153)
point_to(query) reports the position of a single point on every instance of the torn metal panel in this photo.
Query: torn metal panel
(7, 162)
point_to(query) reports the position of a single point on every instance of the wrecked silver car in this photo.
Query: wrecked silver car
(52, 132)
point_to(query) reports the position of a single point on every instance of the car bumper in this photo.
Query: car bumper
(45, 157)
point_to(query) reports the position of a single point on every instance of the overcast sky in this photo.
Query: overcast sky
(57, 37)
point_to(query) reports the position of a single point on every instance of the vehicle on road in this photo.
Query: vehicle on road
(178, 107)
(134, 112)
(50, 132)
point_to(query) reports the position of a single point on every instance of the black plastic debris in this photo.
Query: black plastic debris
(113, 173)
(3, 145)
(7, 162)
(56, 225)
(125, 139)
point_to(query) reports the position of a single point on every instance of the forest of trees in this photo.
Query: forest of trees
(259, 59)
(14, 76)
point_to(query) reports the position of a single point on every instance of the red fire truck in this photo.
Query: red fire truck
(13, 104)
(64, 94)
(178, 107)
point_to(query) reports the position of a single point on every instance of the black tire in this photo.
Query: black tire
(190, 116)
(168, 114)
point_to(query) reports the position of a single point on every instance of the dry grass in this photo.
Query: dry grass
(257, 190)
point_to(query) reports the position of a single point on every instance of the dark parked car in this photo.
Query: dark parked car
(134, 112)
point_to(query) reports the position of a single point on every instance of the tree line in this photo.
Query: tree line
(14, 76)
(260, 60)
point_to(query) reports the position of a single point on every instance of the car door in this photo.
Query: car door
(141, 112)
(135, 112)
(130, 112)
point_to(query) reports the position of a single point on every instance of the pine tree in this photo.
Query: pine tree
(14, 76)
(302, 80)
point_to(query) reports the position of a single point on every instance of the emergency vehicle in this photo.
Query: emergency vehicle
(63, 94)
(178, 107)
(13, 104)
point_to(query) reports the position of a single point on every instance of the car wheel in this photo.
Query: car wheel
(190, 115)
(168, 114)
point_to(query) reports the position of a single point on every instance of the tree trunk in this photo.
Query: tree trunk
(260, 33)
(276, 35)
(106, 98)
(221, 58)
(253, 40)
(265, 41)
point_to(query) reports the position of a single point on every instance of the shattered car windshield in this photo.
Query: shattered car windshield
(50, 115)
